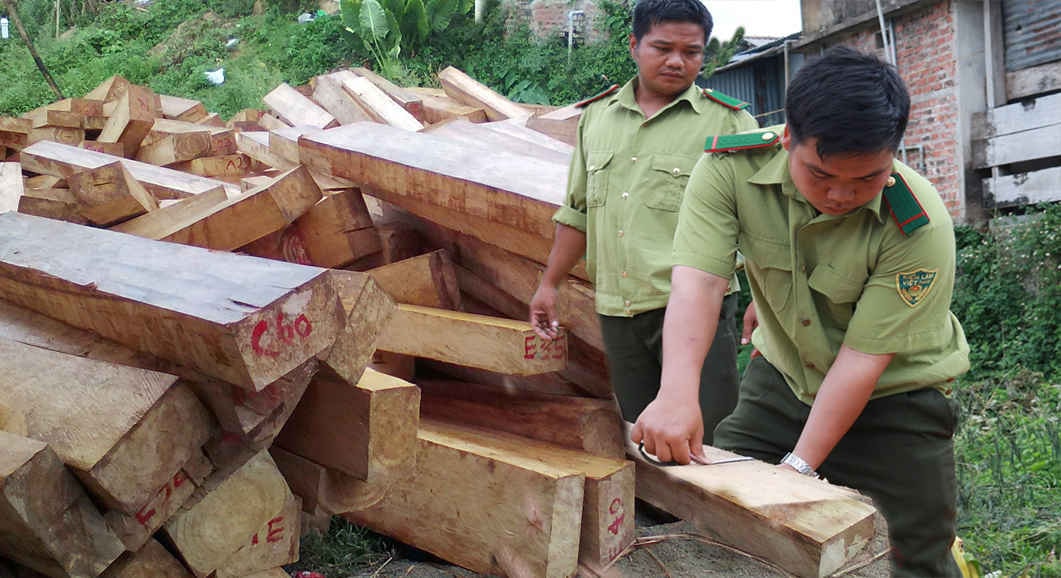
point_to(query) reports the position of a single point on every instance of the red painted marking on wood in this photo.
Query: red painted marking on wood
(161, 497)
(144, 515)
(536, 348)
(256, 339)
(272, 534)
(275, 534)
(616, 509)
(283, 333)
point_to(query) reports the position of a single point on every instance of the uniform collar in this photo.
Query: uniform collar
(775, 172)
(627, 99)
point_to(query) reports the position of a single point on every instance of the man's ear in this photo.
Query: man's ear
(633, 43)
(786, 139)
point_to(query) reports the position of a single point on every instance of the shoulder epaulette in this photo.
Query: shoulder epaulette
(723, 99)
(596, 97)
(904, 206)
(742, 141)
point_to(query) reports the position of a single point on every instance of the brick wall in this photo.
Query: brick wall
(548, 18)
(925, 51)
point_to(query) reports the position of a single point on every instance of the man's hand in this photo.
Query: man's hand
(671, 430)
(751, 321)
(543, 312)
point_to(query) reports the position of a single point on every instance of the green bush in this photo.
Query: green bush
(1008, 294)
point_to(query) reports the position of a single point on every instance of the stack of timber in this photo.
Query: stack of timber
(326, 298)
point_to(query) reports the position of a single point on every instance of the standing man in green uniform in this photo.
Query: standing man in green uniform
(850, 256)
(636, 147)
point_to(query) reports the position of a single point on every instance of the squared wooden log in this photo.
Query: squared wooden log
(52, 203)
(328, 91)
(362, 430)
(428, 280)
(111, 424)
(177, 108)
(51, 158)
(438, 107)
(211, 531)
(467, 90)
(135, 530)
(376, 103)
(256, 146)
(12, 187)
(231, 166)
(494, 343)
(47, 522)
(14, 132)
(109, 194)
(109, 90)
(150, 561)
(132, 118)
(405, 98)
(582, 423)
(802, 524)
(368, 310)
(238, 410)
(561, 124)
(337, 230)
(487, 508)
(274, 545)
(243, 320)
(234, 222)
(504, 199)
(59, 134)
(296, 109)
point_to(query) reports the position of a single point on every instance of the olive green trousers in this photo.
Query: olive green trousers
(634, 346)
(899, 452)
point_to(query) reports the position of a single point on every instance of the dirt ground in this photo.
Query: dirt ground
(671, 549)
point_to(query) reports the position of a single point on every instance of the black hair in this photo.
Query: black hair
(853, 103)
(648, 13)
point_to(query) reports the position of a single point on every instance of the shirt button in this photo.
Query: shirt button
(624, 274)
(676, 171)
(633, 159)
(804, 322)
(627, 303)
(592, 167)
(808, 365)
(625, 194)
(803, 267)
(620, 232)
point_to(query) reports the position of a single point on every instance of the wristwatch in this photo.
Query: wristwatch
(798, 464)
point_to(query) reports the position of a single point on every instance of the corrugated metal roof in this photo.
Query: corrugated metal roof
(1032, 32)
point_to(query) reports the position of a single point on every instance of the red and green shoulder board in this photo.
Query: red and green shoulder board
(904, 206)
(723, 99)
(584, 103)
(744, 141)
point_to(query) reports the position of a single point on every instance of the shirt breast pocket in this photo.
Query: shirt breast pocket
(666, 181)
(597, 178)
(770, 263)
(840, 291)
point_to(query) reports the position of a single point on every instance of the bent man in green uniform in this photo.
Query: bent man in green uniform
(850, 256)
(636, 147)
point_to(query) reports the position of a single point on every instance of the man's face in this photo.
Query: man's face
(668, 57)
(840, 183)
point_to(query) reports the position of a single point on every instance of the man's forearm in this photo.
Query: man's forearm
(569, 245)
(844, 393)
(688, 330)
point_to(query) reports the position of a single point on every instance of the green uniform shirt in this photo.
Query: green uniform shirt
(823, 281)
(625, 187)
